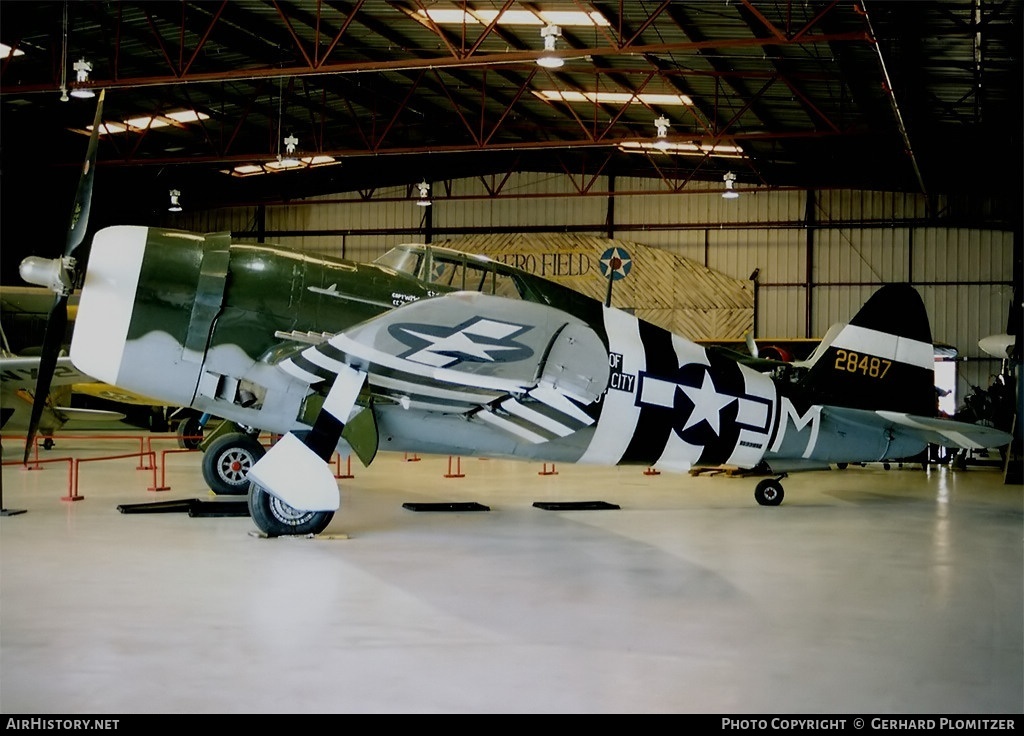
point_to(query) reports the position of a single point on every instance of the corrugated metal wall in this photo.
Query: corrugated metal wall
(819, 255)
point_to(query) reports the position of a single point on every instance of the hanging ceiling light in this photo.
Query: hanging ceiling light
(730, 180)
(288, 160)
(175, 205)
(424, 200)
(662, 125)
(82, 69)
(550, 34)
(290, 144)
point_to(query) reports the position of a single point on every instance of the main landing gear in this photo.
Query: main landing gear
(768, 492)
(190, 431)
(275, 518)
(227, 460)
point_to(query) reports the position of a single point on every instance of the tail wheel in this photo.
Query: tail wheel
(275, 518)
(769, 492)
(227, 461)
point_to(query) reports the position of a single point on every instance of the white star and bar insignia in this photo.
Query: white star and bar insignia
(477, 340)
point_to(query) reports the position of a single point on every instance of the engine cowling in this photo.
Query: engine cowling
(147, 307)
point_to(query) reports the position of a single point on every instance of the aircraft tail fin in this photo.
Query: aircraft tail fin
(882, 359)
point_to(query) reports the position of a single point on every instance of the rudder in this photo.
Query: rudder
(882, 359)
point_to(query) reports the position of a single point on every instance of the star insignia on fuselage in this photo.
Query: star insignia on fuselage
(700, 410)
(617, 262)
(478, 340)
(707, 404)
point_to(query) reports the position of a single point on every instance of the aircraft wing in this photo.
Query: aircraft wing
(71, 413)
(22, 371)
(114, 393)
(18, 375)
(930, 430)
(16, 409)
(519, 367)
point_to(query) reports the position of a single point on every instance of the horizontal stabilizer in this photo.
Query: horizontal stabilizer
(949, 433)
(923, 429)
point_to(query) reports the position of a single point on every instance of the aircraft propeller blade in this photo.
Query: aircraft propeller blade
(56, 324)
(83, 195)
(1015, 325)
(66, 277)
(751, 345)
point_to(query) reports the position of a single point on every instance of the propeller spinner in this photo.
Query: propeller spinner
(60, 275)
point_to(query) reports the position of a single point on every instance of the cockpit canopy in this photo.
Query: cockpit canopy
(454, 270)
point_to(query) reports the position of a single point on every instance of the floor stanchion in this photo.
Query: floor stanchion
(458, 468)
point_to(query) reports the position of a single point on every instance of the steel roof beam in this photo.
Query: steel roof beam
(449, 62)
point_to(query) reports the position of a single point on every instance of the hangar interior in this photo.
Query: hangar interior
(868, 143)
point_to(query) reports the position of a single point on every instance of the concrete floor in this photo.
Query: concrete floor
(867, 591)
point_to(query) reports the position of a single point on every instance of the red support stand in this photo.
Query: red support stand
(458, 468)
(545, 471)
(72, 488)
(37, 466)
(652, 471)
(163, 468)
(414, 459)
(348, 467)
(77, 474)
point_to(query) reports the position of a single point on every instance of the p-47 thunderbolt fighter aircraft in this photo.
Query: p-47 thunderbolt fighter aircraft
(294, 345)
(243, 332)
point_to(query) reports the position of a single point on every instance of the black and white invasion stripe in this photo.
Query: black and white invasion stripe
(541, 416)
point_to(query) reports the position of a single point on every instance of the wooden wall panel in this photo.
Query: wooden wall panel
(673, 292)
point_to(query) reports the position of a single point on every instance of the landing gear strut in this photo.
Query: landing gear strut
(769, 491)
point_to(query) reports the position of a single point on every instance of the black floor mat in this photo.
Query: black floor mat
(193, 507)
(219, 508)
(471, 506)
(574, 505)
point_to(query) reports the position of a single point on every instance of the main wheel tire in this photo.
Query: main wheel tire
(769, 492)
(275, 518)
(190, 433)
(158, 420)
(227, 461)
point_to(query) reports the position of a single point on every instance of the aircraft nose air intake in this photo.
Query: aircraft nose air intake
(106, 301)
